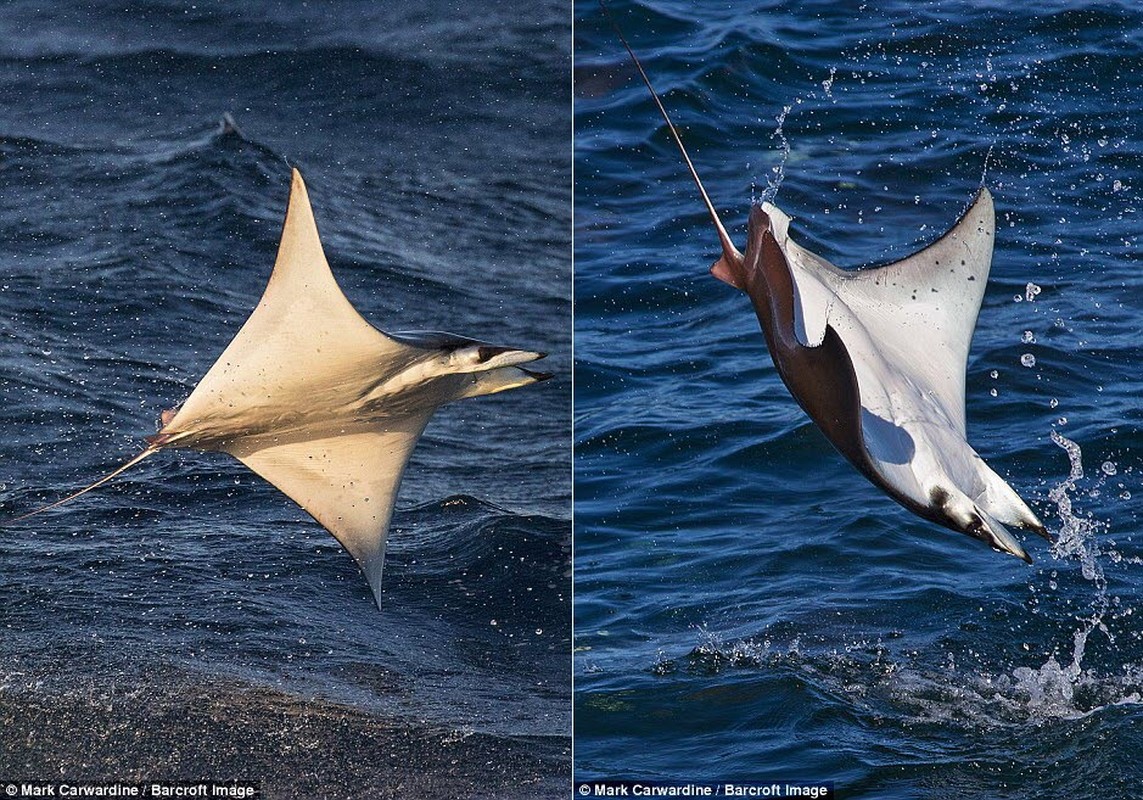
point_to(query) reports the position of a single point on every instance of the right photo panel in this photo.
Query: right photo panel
(857, 418)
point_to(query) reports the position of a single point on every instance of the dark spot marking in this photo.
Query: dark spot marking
(972, 277)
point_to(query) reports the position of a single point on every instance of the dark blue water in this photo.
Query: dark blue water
(188, 620)
(747, 606)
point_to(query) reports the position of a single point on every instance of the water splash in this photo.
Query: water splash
(827, 84)
(1077, 535)
(908, 687)
(1067, 690)
(987, 162)
(778, 171)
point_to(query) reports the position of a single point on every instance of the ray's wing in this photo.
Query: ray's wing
(935, 295)
(345, 479)
(302, 342)
(918, 313)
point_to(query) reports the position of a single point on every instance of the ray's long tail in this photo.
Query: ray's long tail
(151, 450)
(727, 268)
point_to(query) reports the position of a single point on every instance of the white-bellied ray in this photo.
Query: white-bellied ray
(877, 356)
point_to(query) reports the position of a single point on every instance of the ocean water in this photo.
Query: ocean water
(747, 606)
(188, 621)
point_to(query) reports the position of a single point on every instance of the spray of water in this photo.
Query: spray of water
(778, 171)
(1051, 690)
(1076, 538)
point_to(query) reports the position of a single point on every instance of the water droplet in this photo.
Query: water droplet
(1028, 337)
(1030, 291)
(994, 374)
(1108, 467)
(1053, 403)
(993, 392)
(1028, 360)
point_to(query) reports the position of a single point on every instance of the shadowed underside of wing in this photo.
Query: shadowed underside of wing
(347, 481)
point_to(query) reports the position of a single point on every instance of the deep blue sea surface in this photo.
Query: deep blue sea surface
(188, 620)
(746, 605)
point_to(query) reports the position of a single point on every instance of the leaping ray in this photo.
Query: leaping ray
(877, 356)
(322, 404)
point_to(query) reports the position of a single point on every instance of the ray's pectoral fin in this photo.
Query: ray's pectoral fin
(346, 480)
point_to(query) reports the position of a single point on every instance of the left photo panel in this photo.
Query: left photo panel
(285, 376)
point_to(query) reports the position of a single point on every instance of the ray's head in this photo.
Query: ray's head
(492, 368)
(472, 367)
(957, 512)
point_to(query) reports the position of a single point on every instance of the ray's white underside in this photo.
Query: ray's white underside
(907, 327)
